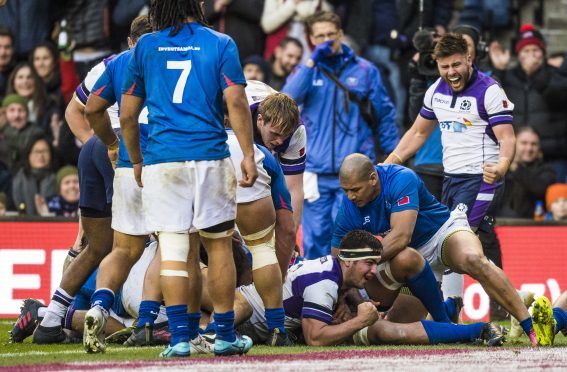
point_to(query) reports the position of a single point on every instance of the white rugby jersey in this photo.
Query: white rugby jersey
(466, 120)
(291, 153)
(84, 89)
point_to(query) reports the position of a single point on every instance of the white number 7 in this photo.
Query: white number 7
(185, 66)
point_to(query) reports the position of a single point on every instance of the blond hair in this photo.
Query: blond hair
(281, 111)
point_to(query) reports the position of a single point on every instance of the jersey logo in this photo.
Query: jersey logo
(352, 81)
(366, 220)
(462, 207)
(403, 201)
(505, 104)
(466, 105)
(454, 126)
(323, 259)
(318, 82)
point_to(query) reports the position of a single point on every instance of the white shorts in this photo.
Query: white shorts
(261, 187)
(432, 251)
(127, 211)
(177, 196)
(258, 318)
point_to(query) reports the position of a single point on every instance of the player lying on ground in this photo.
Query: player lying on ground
(311, 293)
(392, 200)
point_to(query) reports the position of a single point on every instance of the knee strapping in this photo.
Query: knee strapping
(260, 234)
(385, 268)
(174, 246)
(263, 254)
(182, 273)
(216, 235)
(360, 338)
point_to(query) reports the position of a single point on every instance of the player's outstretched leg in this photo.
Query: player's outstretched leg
(544, 323)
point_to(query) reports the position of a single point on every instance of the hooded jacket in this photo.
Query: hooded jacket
(333, 129)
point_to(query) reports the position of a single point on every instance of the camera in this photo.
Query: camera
(424, 41)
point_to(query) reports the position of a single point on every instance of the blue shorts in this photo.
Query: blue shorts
(83, 298)
(471, 193)
(95, 179)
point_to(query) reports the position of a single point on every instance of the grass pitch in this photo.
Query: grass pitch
(29, 357)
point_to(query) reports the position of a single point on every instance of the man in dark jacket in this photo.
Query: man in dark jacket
(540, 94)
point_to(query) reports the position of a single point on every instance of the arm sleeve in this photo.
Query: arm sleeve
(404, 193)
(230, 68)
(386, 112)
(427, 107)
(293, 158)
(134, 76)
(498, 106)
(84, 89)
(299, 83)
(104, 87)
(319, 300)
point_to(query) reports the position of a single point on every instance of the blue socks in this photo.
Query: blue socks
(560, 316)
(450, 307)
(450, 333)
(178, 323)
(425, 287)
(225, 326)
(194, 324)
(148, 312)
(275, 319)
(527, 325)
(103, 297)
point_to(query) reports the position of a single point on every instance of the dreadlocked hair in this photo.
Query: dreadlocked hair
(173, 13)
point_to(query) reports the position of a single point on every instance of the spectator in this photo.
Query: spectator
(240, 19)
(44, 59)
(334, 123)
(36, 177)
(556, 202)
(286, 56)
(256, 68)
(528, 178)
(6, 58)
(25, 82)
(541, 94)
(281, 18)
(19, 131)
(66, 203)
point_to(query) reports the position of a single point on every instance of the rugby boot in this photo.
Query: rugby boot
(141, 336)
(50, 335)
(93, 334)
(241, 345)
(492, 334)
(199, 345)
(516, 330)
(181, 349)
(544, 323)
(27, 321)
(276, 338)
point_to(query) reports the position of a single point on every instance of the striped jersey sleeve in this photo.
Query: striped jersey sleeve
(427, 107)
(498, 107)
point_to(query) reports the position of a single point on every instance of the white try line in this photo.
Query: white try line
(68, 352)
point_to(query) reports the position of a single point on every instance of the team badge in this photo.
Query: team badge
(466, 105)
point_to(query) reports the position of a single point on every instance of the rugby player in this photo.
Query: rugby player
(181, 71)
(392, 200)
(549, 320)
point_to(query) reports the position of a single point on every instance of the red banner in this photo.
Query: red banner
(32, 254)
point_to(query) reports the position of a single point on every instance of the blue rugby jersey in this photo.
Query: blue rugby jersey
(401, 190)
(182, 79)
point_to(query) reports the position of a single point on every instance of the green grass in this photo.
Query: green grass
(27, 353)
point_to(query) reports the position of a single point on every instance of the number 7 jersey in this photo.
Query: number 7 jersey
(182, 79)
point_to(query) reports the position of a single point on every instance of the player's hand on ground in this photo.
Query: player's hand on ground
(138, 173)
(367, 313)
(249, 172)
(492, 173)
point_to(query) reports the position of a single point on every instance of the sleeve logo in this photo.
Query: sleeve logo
(403, 201)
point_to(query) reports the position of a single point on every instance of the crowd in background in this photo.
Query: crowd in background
(48, 46)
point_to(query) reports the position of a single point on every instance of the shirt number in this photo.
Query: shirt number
(185, 67)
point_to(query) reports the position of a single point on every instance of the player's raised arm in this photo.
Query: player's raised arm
(412, 140)
(241, 122)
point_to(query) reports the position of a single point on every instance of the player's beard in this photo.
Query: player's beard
(460, 84)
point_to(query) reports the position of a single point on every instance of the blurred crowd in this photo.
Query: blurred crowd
(48, 46)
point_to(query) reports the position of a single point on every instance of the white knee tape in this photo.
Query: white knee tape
(174, 273)
(263, 254)
(174, 246)
(259, 234)
(385, 268)
(360, 338)
(216, 235)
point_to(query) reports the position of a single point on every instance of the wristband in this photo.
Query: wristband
(397, 156)
(136, 162)
(506, 163)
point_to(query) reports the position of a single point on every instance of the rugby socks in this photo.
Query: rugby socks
(527, 325)
(560, 316)
(41, 312)
(225, 326)
(103, 297)
(148, 312)
(211, 327)
(439, 333)
(68, 321)
(178, 323)
(57, 308)
(424, 286)
(194, 324)
(275, 319)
